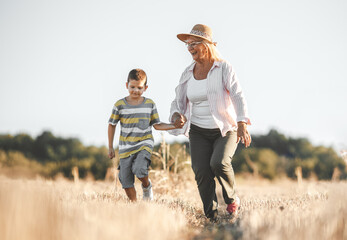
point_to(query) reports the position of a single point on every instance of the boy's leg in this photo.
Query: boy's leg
(131, 193)
(147, 191)
(140, 169)
(126, 177)
(140, 166)
(145, 181)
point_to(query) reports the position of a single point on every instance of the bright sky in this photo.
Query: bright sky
(64, 63)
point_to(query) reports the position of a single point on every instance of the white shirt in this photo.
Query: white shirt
(227, 103)
(197, 95)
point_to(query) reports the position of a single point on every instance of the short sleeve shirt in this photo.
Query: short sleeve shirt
(136, 123)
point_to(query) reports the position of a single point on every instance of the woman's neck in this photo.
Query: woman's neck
(204, 63)
(201, 69)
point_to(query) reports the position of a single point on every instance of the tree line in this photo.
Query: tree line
(48, 155)
(270, 156)
(274, 154)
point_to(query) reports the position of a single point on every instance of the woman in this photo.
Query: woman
(210, 106)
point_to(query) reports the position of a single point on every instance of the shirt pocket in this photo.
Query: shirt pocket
(143, 124)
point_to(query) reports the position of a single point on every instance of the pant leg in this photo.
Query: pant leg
(223, 152)
(201, 149)
(126, 176)
(141, 162)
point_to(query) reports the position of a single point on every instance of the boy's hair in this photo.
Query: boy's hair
(137, 75)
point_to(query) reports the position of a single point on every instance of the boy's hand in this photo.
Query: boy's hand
(178, 126)
(111, 153)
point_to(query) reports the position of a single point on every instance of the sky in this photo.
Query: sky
(63, 64)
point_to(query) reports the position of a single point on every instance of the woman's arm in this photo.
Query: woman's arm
(239, 102)
(179, 104)
(234, 89)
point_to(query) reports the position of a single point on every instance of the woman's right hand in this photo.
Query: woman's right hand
(179, 120)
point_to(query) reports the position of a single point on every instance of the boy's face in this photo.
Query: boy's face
(136, 88)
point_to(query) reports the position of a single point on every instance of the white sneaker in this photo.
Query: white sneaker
(147, 192)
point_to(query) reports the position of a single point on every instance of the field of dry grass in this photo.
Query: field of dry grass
(61, 209)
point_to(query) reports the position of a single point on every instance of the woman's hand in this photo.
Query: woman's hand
(243, 134)
(178, 120)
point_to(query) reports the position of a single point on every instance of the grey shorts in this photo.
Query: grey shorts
(135, 165)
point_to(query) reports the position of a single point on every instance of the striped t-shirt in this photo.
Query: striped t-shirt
(136, 125)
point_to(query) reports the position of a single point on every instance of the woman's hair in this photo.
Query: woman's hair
(213, 52)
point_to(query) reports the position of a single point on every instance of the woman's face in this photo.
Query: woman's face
(197, 49)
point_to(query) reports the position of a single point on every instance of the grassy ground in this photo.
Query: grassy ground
(61, 209)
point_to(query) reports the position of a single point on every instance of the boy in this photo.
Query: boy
(137, 115)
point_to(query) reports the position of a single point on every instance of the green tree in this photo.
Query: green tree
(327, 161)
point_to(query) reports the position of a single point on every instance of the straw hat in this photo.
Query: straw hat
(200, 31)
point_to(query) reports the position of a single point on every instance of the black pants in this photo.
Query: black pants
(211, 157)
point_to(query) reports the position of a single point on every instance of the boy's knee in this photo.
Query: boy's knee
(140, 172)
(141, 164)
(126, 182)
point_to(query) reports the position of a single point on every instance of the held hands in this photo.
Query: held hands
(111, 153)
(179, 120)
(243, 134)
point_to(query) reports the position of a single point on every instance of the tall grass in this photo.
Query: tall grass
(61, 209)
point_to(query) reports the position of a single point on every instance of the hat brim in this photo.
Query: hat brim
(183, 37)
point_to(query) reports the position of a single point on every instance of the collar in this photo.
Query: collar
(189, 70)
(215, 64)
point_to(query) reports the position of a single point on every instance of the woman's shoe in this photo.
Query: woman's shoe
(233, 208)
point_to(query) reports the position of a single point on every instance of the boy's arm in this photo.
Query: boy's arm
(164, 126)
(111, 131)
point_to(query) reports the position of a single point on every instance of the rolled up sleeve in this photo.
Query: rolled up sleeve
(180, 104)
(236, 95)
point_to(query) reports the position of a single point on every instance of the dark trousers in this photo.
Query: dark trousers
(211, 156)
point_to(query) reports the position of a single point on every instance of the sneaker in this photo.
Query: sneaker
(147, 192)
(233, 208)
